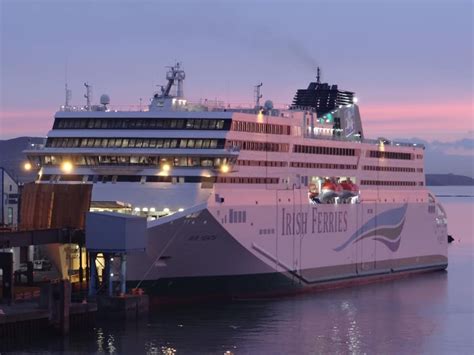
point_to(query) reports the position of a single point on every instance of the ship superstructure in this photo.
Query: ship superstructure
(251, 201)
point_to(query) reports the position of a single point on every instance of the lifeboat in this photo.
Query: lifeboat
(329, 190)
(349, 189)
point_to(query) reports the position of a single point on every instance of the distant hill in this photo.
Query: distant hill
(12, 157)
(448, 180)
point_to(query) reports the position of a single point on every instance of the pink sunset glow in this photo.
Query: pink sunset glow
(446, 120)
(14, 123)
(424, 120)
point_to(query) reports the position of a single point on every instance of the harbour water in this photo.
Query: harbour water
(430, 313)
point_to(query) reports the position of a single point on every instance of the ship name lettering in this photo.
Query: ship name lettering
(328, 222)
(296, 223)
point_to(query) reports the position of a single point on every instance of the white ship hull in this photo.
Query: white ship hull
(222, 250)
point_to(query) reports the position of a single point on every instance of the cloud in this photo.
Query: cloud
(14, 123)
(455, 157)
(459, 111)
(462, 147)
(438, 120)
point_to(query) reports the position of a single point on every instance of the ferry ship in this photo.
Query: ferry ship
(245, 202)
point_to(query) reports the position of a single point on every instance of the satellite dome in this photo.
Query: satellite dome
(105, 99)
(268, 105)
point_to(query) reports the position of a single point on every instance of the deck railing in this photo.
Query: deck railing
(201, 105)
(378, 141)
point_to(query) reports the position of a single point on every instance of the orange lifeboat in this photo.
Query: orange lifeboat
(329, 190)
(349, 189)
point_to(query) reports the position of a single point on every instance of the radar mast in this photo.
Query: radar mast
(88, 96)
(257, 95)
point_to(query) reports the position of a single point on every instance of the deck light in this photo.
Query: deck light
(180, 209)
(137, 209)
(27, 166)
(225, 168)
(166, 210)
(355, 100)
(165, 167)
(67, 167)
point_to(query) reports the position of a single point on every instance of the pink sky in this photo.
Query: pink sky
(443, 121)
(15, 123)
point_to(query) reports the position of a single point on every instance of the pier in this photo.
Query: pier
(83, 287)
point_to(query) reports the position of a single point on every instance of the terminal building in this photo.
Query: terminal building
(9, 193)
(9, 210)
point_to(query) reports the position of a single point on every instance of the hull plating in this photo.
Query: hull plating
(232, 251)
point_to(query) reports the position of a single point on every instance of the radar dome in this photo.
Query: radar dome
(104, 99)
(268, 105)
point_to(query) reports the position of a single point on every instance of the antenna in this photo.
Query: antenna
(67, 92)
(180, 76)
(88, 95)
(318, 76)
(257, 95)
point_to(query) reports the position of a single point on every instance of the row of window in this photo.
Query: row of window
(390, 183)
(119, 178)
(309, 149)
(170, 143)
(389, 155)
(244, 162)
(322, 165)
(180, 161)
(258, 146)
(391, 168)
(256, 127)
(196, 179)
(153, 178)
(246, 180)
(138, 123)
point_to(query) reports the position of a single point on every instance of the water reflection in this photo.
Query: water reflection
(430, 313)
(381, 318)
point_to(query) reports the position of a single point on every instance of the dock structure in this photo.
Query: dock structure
(56, 316)
(48, 218)
(87, 248)
(27, 238)
(112, 236)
